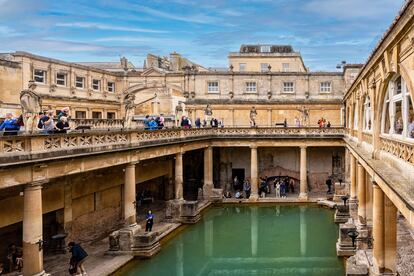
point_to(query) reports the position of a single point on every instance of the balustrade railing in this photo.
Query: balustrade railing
(119, 138)
(400, 149)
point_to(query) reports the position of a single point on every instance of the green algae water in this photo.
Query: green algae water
(251, 240)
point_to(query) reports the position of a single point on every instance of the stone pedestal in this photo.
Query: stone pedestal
(358, 264)
(182, 211)
(340, 190)
(130, 240)
(146, 245)
(216, 195)
(341, 214)
(344, 245)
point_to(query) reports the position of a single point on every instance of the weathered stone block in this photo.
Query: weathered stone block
(341, 214)
(344, 246)
(146, 245)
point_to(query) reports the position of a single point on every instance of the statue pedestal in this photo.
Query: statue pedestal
(344, 246)
(182, 211)
(341, 214)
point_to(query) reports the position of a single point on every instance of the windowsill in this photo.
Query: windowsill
(250, 92)
(323, 92)
(213, 92)
(61, 86)
(286, 92)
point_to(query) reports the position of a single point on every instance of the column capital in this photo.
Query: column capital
(133, 163)
(359, 164)
(36, 184)
(303, 147)
(253, 146)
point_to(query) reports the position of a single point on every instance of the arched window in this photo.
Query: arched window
(356, 119)
(367, 114)
(398, 112)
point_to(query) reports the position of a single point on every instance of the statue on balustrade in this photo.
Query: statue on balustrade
(129, 103)
(179, 111)
(31, 105)
(304, 116)
(208, 113)
(253, 114)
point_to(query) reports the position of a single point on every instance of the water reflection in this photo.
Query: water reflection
(252, 241)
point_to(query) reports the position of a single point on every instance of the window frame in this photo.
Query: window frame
(217, 91)
(265, 49)
(324, 88)
(249, 87)
(111, 112)
(83, 82)
(264, 67)
(65, 79)
(44, 75)
(99, 85)
(291, 90)
(285, 68)
(108, 86)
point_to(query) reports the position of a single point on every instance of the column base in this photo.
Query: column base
(253, 198)
(353, 203)
(303, 196)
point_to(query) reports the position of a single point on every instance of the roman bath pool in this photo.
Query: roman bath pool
(250, 240)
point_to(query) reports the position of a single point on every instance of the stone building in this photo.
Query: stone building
(85, 183)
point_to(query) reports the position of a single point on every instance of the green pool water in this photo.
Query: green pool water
(251, 240)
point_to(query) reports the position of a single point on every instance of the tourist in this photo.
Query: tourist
(49, 123)
(64, 112)
(213, 122)
(286, 185)
(410, 129)
(227, 194)
(238, 195)
(285, 123)
(277, 189)
(42, 119)
(78, 258)
(398, 126)
(235, 183)
(329, 184)
(328, 124)
(14, 258)
(292, 186)
(149, 221)
(10, 125)
(185, 123)
(152, 124)
(247, 188)
(198, 123)
(282, 189)
(161, 121)
(63, 125)
(146, 122)
(190, 124)
(263, 188)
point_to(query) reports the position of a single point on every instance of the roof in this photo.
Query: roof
(109, 66)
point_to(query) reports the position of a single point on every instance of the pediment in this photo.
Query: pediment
(153, 72)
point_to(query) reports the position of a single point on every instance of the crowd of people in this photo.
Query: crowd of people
(323, 123)
(46, 123)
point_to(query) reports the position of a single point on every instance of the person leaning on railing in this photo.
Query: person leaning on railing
(63, 125)
(10, 125)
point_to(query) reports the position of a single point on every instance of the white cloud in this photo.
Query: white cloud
(88, 25)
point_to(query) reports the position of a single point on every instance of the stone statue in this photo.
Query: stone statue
(31, 104)
(304, 115)
(208, 112)
(253, 114)
(179, 110)
(129, 102)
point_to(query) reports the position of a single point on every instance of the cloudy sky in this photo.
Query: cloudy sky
(324, 31)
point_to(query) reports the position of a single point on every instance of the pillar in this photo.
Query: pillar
(254, 176)
(303, 173)
(179, 176)
(208, 172)
(353, 197)
(303, 234)
(32, 230)
(254, 230)
(378, 229)
(347, 165)
(362, 215)
(369, 198)
(390, 236)
(129, 195)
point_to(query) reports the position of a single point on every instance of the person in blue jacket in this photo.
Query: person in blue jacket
(10, 125)
(152, 124)
(78, 257)
(149, 221)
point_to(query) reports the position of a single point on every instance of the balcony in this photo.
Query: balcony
(34, 148)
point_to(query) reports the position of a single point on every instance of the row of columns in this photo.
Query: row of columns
(376, 210)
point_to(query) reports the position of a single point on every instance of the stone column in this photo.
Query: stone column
(129, 195)
(303, 234)
(378, 229)
(369, 197)
(353, 191)
(32, 230)
(390, 234)
(347, 165)
(67, 211)
(179, 179)
(303, 173)
(208, 172)
(254, 230)
(254, 175)
(362, 215)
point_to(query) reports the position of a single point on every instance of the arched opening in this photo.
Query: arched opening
(398, 113)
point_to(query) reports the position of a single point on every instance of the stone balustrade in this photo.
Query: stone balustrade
(29, 147)
(401, 149)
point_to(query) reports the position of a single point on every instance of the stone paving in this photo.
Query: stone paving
(405, 251)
